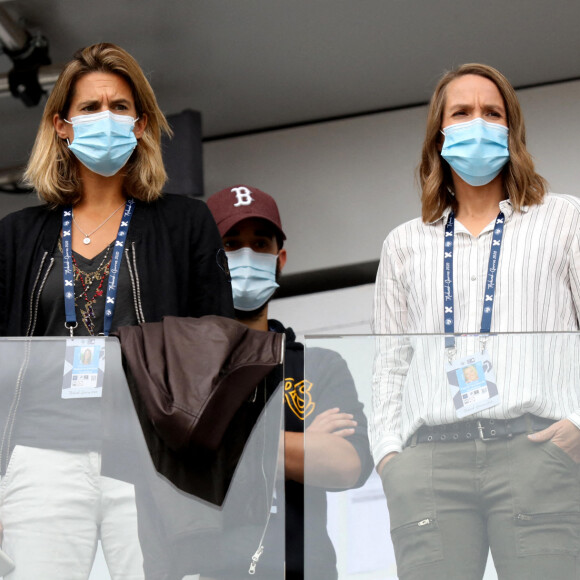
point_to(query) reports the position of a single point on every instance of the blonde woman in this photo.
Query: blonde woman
(130, 255)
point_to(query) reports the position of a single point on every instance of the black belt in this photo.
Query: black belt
(484, 429)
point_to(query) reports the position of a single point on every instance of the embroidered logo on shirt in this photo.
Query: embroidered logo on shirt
(298, 397)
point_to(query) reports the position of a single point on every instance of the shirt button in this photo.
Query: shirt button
(474, 277)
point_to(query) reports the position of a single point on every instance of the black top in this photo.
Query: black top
(329, 385)
(51, 315)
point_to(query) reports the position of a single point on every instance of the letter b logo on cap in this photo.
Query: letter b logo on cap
(243, 195)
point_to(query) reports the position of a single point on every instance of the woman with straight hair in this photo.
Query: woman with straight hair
(478, 445)
(105, 249)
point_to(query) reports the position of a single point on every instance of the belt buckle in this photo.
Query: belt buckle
(480, 429)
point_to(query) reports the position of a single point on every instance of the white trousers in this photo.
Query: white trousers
(54, 507)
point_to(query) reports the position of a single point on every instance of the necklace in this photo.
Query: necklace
(87, 238)
(86, 280)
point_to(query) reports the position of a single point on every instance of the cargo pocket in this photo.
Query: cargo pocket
(417, 543)
(547, 533)
(408, 484)
(546, 492)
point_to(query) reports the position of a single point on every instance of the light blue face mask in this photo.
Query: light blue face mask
(103, 141)
(476, 150)
(253, 278)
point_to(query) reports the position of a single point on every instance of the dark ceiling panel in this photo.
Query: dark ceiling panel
(258, 64)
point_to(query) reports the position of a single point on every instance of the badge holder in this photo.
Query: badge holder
(472, 381)
(84, 368)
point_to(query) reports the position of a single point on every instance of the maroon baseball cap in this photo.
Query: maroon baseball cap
(234, 204)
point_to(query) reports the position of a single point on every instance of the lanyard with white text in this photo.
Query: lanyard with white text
(489, 294)
(68, 272)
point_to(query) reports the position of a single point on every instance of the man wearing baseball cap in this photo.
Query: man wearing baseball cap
(249, 223)
(325, 404)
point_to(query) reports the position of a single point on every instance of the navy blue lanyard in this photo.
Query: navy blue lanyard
(490, 283)
(68, 273)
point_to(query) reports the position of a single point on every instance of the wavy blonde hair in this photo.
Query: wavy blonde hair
(52, 168)
(522, 185)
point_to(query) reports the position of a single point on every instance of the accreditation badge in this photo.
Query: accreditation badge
(84, 368)
(472, 384)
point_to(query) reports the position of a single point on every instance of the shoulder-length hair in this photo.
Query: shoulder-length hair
(52, 168)
(522, 185)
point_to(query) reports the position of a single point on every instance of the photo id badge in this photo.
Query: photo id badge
(472, 383)
(84, 367)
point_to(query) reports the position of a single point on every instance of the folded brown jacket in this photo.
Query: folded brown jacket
(192, 380)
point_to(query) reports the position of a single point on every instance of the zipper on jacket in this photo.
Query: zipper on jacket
(37, 288)
(260, 550)
(255, 559)
(7, 434)
(35, 296)
(135, 283)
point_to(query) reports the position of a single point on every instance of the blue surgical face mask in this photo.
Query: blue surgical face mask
(253, 278)
(476, 150)
(103, 141)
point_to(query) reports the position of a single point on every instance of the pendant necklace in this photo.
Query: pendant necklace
(86, 280)
(87, 238)
(87, 312)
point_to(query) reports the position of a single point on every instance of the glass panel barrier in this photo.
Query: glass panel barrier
(464, 475)
(82, 473)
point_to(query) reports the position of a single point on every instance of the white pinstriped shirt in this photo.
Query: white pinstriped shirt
(537, 290)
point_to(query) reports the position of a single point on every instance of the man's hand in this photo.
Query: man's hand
(385, 460)
(333, 462)
(333, 421)
(564, 434)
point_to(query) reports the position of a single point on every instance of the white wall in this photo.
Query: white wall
(345, 311)
(342, 186)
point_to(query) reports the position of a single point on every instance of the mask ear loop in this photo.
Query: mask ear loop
(67, 121)
(450, 191)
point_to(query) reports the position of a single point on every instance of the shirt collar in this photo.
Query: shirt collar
(508, 209)
(505, 206)
(443, 216)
